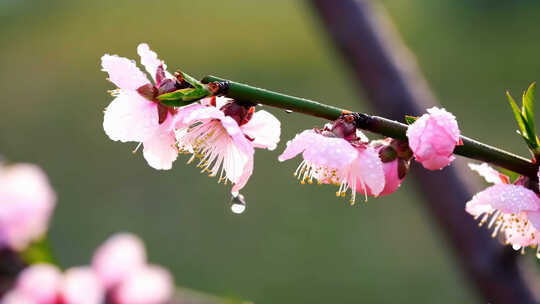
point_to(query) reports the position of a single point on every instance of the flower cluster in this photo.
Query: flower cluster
(119, 274)
(510, 209)
(221, 133)
(26, 204)
(340, 154)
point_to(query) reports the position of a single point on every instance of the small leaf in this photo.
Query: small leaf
(192, 81)
(410, 119)
(38, 252)
(528, 104)
(517, 113)
(183, 97)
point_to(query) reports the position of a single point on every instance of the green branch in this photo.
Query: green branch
(379, 125)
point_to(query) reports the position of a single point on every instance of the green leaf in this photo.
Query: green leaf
(38, 252)
(517, 113)
(528, 105)
(410, 119)
(183, 97)
(192, 81)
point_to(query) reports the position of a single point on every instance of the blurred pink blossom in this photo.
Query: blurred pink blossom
(147, 285)
(135, 114)
(26, 203)
(224, 138)
(81, 285)
(39, 283)
(119, 272)
(117, 258)
(433, 137)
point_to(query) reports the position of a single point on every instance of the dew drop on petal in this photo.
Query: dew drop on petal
(238, 204)
(288, 111)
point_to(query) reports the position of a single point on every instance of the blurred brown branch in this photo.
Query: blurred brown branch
(388, 73)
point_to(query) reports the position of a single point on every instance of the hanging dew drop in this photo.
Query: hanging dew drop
(238, 204)
(288, 111)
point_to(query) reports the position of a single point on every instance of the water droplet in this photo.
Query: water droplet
(516, 247)
(288, 111)
(238, 204)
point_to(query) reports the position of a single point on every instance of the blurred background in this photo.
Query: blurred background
(295, 243)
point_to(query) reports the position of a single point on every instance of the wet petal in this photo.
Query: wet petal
(433, 138)
(367, 168)
(320, 150)
(503, 197)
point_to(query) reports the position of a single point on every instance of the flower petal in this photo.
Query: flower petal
(264, 128)
(160, 150)
(118, 257)
(433, 138)
(130, 117)
(81, 285)
(368, 171)
(40, 283)
(123, 72)
(148, 285)
(503, 197)
(489, 174)
(151, 61)
(320, 150)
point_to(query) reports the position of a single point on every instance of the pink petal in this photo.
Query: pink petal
(503, 197)
(130, 117)
(518, 230)
(148, 285)
(392, 180)
(368, 171)
(320, 150)
(180, 119)
(534, 218)
(151, 61)
(40, 283)
(160, 150)
(433, 138)
(264, 128)
(17, 297)
(123, 72)
(117, 258)
(81, 285)
(244, 177)
(489, 174)
(26, 203)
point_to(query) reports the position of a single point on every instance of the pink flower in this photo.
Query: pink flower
(433, 138)
(334, 160)
(26, 204)
(81, 285)
(148, 285)
(224, 138)
(511, 209)
(39, 284)
(135, 114)
(118, 258)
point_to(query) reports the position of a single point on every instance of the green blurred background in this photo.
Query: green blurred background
(294, 244)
